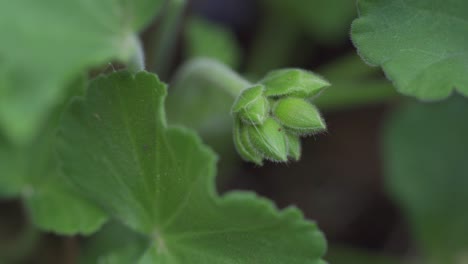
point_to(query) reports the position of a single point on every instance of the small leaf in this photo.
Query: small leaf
(269, 139)
(161, 182)
(243, 146)
(295, 82)
(420, 44)
(299, 115)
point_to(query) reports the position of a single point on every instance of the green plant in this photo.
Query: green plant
(91, 150)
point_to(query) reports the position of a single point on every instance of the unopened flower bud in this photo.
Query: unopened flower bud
(299, 116)
(294, 82)
(294, 146)
(251, 105)
(243, 145)
(269, 139)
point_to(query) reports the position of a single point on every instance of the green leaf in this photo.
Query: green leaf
(426, 163)
(51, 44)
(117, 149)
(207, 39)
(31, 172)
(113, 244)
(420, 44)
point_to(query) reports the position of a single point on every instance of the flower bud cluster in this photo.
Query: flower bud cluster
(271, 116)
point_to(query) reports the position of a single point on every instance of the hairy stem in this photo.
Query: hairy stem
(212, 72)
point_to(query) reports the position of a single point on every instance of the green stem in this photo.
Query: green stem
(137, 61)
(166, 35)
(211, 72)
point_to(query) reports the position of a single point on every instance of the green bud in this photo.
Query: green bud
(295, 82)
(299, 115)
(242, 143)
(251, 106)
(294, 146)
(269, 139)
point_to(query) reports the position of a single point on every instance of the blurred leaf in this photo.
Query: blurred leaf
(31, 171)
(426, 154)
(113, 244)
(161, 182)
(354, 84)
(51, 44)
(207, 39)
(420, 44)
(326, 20)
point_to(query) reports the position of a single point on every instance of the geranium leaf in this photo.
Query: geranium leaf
(31, 172)
(420, 44)
(51, 44)
(427, 173)
(116, 148)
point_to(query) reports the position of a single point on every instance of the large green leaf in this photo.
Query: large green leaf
(420, 44)
(426, 154)
(117, 149)
(47, 43)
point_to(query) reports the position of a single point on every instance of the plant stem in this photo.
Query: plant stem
(204, 70)
(166, 35)
(137, 61)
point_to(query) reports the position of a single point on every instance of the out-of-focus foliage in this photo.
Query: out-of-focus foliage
(207, 39)
(354, 84)
(325, 20)
(426, 158)
(52, 43)
(32, 173)
(420, 44)
(113, 244)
